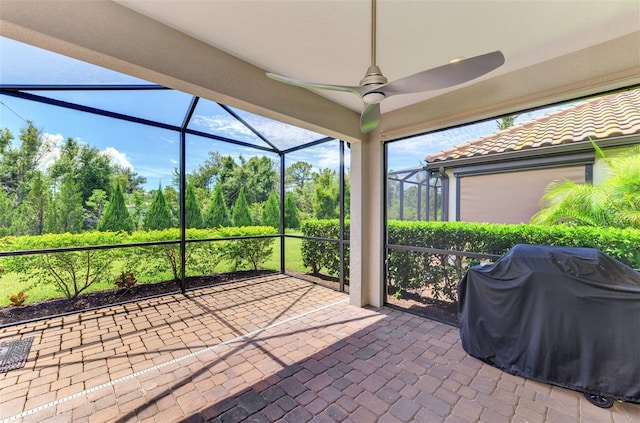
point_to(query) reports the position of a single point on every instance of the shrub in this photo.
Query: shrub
(151, 260)
(16, 300)
(70, 272)
(440, 272)
(250, 251)
(319, 255)
(125, 280)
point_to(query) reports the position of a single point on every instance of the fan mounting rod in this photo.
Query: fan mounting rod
(373, 78)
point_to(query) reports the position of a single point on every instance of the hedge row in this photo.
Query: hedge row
(319, 255)
(440, 273)
(73, 272)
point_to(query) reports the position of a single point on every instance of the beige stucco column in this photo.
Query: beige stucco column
(367, 242)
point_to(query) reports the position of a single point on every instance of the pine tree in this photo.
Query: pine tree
(158, 215)
(33, 210)
(116, 217)
(217, 214)
(6, 213)
(241, 214)
(193, 215)
(66, 213)
(291, 218)
(271, 211)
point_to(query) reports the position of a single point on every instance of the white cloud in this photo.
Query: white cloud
(173, 161)
(117, 157)
(223, 125)
(283, 136)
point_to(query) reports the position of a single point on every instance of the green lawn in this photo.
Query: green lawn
(12, 283)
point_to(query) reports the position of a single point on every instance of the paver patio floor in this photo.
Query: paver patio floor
(269, 349)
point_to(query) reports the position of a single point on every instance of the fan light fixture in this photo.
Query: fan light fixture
(374, 87)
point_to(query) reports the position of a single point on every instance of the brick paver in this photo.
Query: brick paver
(269, 349)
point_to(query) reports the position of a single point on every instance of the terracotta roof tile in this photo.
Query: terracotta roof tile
(597, 118)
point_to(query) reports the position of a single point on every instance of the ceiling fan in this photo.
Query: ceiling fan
(374, 87)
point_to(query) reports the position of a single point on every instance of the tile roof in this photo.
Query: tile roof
(597, 118)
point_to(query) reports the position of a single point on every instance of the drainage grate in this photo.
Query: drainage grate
(13, 354)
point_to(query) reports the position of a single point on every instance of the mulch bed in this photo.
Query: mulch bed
(441, 311)
(9, 315)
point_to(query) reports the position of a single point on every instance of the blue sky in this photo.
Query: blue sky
(153, 152)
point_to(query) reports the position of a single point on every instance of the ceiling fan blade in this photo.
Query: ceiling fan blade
(370, 118)
(345, 88)
(445, 76)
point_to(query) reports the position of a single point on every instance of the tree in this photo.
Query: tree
(271, 211)
(297, 175)
(217, 214)
(158, 215)
(291, 218)
(172, 197)
(96, 204)
(138, 203)
(259, 173)
(241, 215)
(128, 179)
(86, 166)
(116, 217)
(327, 195)
(18, 164)
(506, 122)
(66, 213)
(193, 215)
(6, 213)
(34, 208)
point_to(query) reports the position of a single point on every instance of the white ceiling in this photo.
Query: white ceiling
(220, 49)
(328, 41)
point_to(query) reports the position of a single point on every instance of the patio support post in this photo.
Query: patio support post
(183, 227)
(366, 273)
(342, 216)
(282, 221)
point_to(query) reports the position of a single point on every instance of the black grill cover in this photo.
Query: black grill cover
(565, 316)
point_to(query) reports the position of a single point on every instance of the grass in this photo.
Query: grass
(12, 283)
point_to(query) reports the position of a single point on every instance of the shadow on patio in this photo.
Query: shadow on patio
(263, 350)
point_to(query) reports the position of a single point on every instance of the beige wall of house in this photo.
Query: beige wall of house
(511, 197)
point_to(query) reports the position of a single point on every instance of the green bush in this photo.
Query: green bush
(201, 257)
(251, 251)
(319, 255)
(70, 272)
(440, 272)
